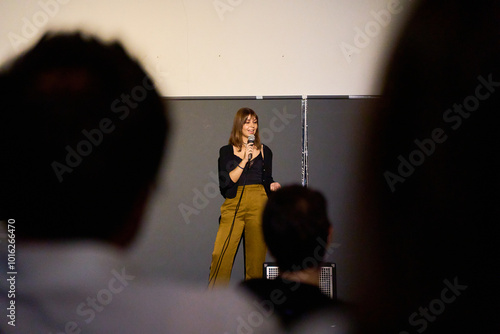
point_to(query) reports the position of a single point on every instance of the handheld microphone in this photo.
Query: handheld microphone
(251, 140)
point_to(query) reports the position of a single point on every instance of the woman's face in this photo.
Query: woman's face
(249, 127)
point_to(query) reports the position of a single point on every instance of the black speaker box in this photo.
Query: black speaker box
(327, 278)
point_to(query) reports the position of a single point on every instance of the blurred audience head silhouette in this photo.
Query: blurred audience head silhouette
(429, 191)
(83, 133)
(297, 232)
(296, 227)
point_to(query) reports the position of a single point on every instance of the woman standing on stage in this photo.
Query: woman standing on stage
(245, 180)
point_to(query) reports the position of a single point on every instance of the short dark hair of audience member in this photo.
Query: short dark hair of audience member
(431, 189)
(83, 132)
(296, 227)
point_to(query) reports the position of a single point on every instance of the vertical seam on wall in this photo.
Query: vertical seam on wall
(305, 143)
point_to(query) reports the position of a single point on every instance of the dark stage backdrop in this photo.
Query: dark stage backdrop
(335, 126)
(182, 219)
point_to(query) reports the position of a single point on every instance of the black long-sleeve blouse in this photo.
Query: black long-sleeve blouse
(228, 161)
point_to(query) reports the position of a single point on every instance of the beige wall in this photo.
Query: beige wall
(229, 47)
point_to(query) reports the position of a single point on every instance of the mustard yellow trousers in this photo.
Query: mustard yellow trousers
(247, 225)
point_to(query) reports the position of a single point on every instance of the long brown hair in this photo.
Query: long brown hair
(241, 116)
